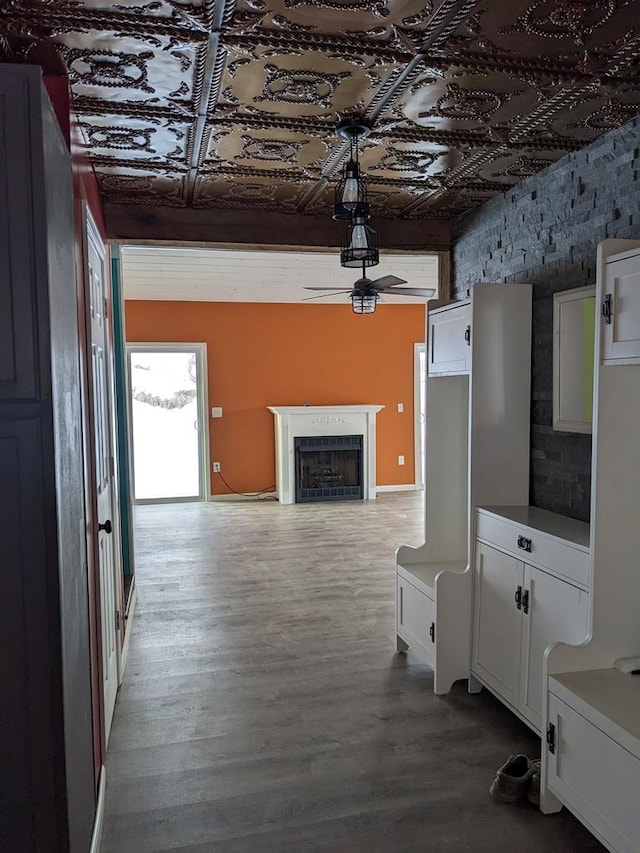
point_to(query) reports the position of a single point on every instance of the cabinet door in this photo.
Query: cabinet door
(621, 335)
(553, 611)
(449, 341)
(497, 624)
(415, 613)
(595, 777)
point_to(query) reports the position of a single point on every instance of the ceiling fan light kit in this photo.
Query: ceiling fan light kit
(364, 301)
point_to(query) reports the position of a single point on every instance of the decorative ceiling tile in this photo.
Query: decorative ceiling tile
(234, 103)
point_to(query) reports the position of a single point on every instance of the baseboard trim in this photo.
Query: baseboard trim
(98, 823)
(232, 497)
(124, 654)
(406, 487)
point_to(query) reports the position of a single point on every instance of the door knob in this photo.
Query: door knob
(107, 526)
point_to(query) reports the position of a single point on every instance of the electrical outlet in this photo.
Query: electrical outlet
(400, 460)
(216, 467)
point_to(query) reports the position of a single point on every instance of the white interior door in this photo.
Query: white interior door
(100, 361)
(419, 409)
(167, 390)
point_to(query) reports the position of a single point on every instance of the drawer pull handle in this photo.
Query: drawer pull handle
(518, 598)
(524, 544)
(467, 336)
(432, 632)
(606, 310)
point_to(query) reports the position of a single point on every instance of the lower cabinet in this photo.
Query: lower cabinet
(415, 616)
(497, 624)
(593, 758)
(519, 610)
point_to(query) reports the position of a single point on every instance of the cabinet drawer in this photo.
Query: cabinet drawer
(596, 777)
(533, 546)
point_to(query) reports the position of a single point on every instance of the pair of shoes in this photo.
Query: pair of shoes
(512, 779)
(533, 794)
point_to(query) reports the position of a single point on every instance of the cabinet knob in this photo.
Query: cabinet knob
(606, 310)
(432, 632)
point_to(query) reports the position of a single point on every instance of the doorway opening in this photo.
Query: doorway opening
(168, 422)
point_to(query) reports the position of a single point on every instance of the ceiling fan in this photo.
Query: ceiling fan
(366, 292)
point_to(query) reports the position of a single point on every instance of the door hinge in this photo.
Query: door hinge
(551, 738)
(606, 310)
(105, 307)
(117, 620)
(518, 597)
(432, 632)
(467, 335)
(525, 601)
(112, 466)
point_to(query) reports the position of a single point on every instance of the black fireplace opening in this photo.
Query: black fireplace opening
(329, 468)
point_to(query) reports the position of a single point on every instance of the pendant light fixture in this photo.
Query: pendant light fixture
(351, 190)
(360, 248)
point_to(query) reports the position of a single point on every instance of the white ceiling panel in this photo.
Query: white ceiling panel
(228, 275)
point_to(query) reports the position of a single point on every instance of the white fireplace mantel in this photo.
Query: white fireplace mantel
(296, 421)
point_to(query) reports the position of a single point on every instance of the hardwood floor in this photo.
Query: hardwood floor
(264, 707)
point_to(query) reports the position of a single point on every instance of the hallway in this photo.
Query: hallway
(264, 707)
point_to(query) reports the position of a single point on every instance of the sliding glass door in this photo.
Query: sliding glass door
(167, 389)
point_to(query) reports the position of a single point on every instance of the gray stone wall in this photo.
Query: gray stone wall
(546, 231)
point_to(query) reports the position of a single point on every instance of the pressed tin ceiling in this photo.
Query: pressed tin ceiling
(233, 105)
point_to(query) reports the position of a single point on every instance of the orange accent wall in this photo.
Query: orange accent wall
(263, 355)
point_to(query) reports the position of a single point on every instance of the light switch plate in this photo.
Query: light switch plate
(401, 407)
(400, 460)
(216, 412)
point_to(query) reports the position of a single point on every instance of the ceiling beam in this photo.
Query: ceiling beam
(130, 223)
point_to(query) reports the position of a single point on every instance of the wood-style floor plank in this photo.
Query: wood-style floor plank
(264, 709)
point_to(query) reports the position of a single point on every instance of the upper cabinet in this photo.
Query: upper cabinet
(449, 339)
(621, 309)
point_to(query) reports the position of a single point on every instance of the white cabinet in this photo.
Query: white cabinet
(593, 752)
(476, 452)
(497, 623)
(521, 608)
(555, 611)
(621, 310)
(449, 339)
(415, 618)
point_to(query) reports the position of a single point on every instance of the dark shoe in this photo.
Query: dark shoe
(512, 780)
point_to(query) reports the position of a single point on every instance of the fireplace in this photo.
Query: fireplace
(329, 468)
(313, 438)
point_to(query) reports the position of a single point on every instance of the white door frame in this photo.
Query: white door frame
(418, 449)
(200, 350)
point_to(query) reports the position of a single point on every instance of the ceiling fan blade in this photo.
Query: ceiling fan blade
(327, 288)
(322, 295)
(427, 292)
(386, 281)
